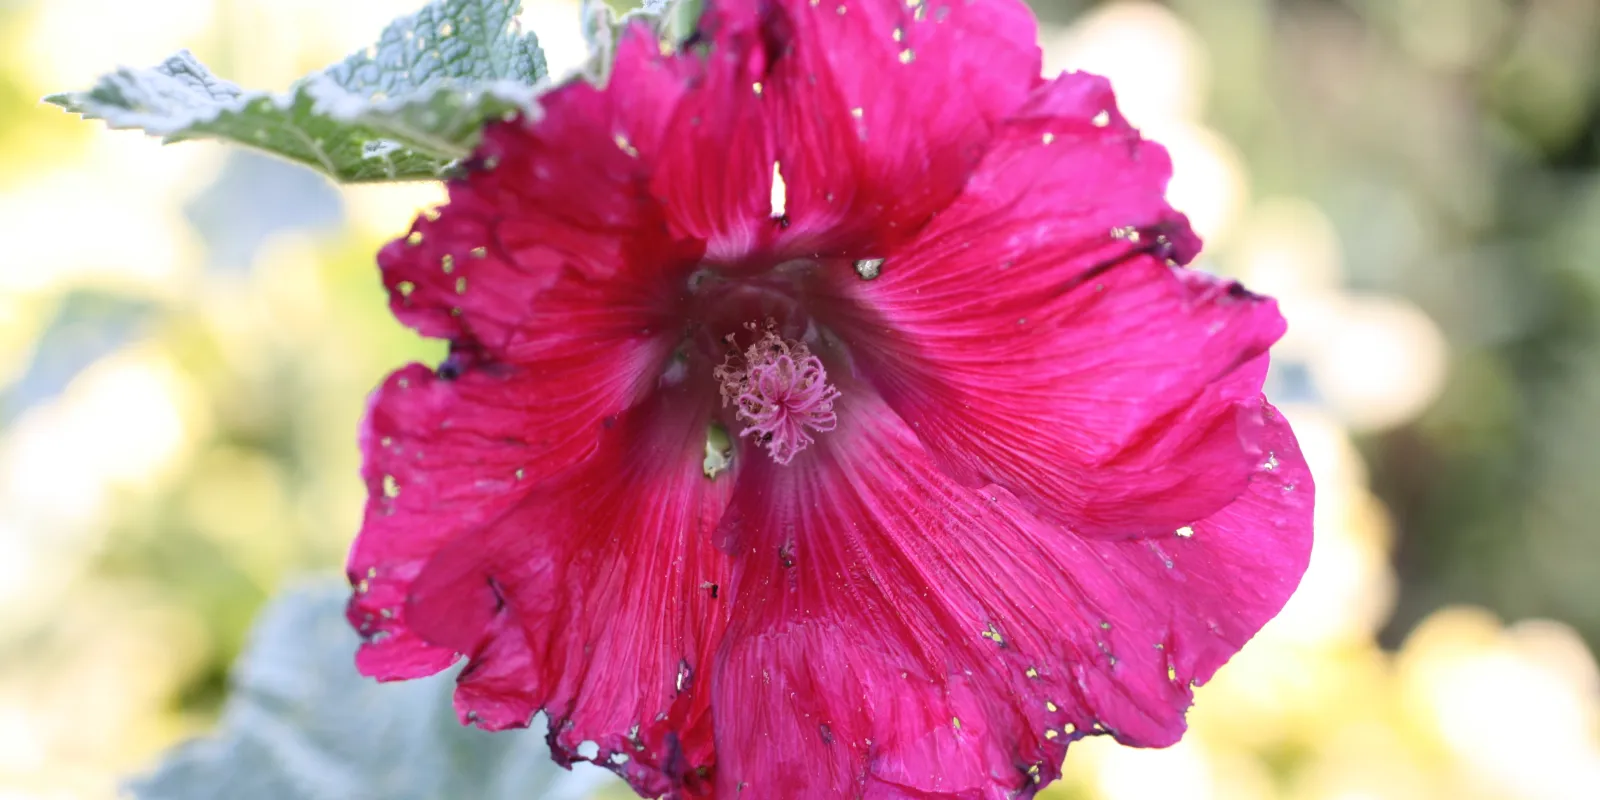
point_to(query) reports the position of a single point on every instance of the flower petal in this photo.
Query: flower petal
(594, 598)
(448, 451)
(895, 634)
(553, 212)
(1037, 336)
(873, 111)
(552, 274)
(906, 93)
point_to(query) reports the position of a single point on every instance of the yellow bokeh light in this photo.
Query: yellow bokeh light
(1158, 66)
(1208, 179)
(560, 34)
(1482, 689)
(1382, 364)
(125, 424)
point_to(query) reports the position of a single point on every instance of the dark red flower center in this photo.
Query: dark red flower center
(754, 329)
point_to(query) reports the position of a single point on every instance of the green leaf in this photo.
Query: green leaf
(302, 725)
(407, 108)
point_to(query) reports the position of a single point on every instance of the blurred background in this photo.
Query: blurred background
(188, 335)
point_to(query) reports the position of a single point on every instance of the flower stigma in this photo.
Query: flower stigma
(780, 391)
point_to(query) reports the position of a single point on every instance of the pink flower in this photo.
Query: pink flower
(888, 482)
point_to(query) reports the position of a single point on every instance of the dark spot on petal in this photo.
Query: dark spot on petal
(674, 762)
(499, 595)
(1238, 292)
(827, 733)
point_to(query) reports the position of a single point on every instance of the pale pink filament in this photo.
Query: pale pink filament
(779, 390)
